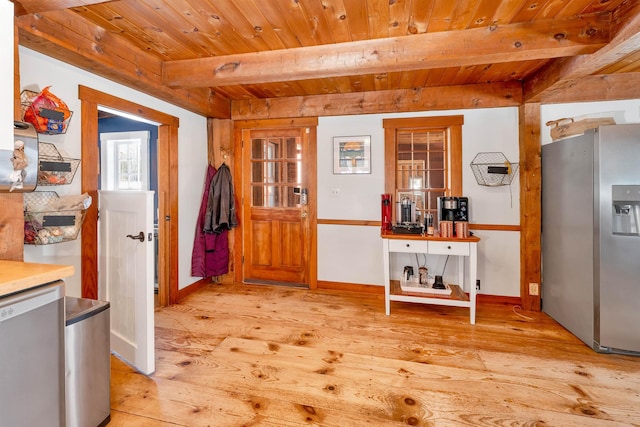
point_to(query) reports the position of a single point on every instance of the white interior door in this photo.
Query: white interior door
(125, 273)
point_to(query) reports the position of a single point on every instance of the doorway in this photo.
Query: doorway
(91, 100)
(277, 175)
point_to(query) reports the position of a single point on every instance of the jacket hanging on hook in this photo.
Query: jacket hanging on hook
(221, 212)
(210, 256)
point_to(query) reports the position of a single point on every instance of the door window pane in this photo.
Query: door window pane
(275, 165)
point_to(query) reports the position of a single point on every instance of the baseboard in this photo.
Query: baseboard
(350, 287)
(188, 290)
(498, 299)
(373, 289)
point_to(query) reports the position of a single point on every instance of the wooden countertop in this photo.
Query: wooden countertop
(18, 276)
(391, 235)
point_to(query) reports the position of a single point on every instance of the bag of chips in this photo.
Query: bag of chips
(48, 113)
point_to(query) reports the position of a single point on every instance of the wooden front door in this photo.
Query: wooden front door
(278, 205)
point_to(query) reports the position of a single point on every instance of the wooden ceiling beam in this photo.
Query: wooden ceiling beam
(560, 73)
(607, 87)
(488, 95)
(23, 7)
(488, 45)
(69, 38)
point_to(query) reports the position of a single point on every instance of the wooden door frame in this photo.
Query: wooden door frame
(303, 122)
(167, 191)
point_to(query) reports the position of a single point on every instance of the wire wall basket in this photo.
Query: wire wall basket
(493, 169)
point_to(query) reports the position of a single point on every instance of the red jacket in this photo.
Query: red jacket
(210, 256)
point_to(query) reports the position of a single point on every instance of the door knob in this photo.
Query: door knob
(139, 236)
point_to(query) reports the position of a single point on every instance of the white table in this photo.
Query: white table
(408, 243)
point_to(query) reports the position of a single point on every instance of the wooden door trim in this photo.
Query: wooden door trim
(247, 125)
(167, 190)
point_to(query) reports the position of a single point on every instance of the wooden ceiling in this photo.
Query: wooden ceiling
(247, 59)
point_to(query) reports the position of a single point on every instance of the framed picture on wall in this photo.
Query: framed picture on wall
(352, 154)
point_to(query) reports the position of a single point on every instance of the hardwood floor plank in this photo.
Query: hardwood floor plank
(240, 355)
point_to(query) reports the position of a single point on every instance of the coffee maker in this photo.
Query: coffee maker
(406, 218)
(455, 209)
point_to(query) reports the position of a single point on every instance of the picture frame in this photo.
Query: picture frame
(352, 154)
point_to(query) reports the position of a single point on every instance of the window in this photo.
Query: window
(275, 171)
(423, 160)
(124, 160)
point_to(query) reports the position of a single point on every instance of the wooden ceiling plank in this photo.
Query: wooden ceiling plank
(40, 6)
(336, 17)
(292, 20)
(314, 13)
(602, 6)
(358, 19)
(200, 27)
(506, 43)
(463, 14)
(625, 41)
(529, 10)
(216, 26)
(485, 10)
(377, 102)
(379, 18)
(190, 24)
(441, 16)
(162, 23)
(99, 52)
(250, 32)
(108, 19)
(402, 16)
(261, 25)
(506, 11)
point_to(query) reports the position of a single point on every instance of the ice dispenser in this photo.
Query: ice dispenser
(626, 210)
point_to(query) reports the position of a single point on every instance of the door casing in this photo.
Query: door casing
(167, 191)
(311, 124)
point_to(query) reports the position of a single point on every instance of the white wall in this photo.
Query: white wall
(353, 254)
(350, 254)
(38, 71)
(6, 75)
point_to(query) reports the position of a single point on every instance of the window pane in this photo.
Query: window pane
(265, 196)
(437, 179)
(292, 172)
(257, 145)
(433, 199)
(436, 160)
(293, 148)
(292, 198)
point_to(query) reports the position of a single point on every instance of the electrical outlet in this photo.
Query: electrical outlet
(533, 288)
(335, 192)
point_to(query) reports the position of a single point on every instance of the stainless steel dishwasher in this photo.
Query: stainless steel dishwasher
(32, 357)
(88, 363)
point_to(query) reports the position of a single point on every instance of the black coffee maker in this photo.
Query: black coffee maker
(453, 209)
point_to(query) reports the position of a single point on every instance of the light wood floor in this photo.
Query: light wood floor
(240, 355)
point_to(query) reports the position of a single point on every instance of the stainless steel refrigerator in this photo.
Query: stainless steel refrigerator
(591, 236)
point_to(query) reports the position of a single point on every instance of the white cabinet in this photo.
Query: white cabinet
(6, 75)
(392, 243)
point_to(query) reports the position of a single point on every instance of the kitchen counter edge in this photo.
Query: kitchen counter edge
(16, 276)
